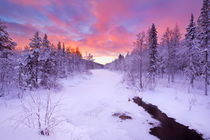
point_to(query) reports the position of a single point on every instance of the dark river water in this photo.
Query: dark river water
(169, 129)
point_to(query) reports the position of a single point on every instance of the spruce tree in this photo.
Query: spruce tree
(47, 67)
(153, 56)
(69, 61)
(59, 59)
(7, 63)
(204, 42)
(33, 61)
(21, 78)
(64, 62)
(192, 55)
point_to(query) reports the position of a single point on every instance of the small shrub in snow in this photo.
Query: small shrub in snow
(39, 112)
(192, 102)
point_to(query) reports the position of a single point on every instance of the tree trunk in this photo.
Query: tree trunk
(172, 75)
(206, 73)
(141, 84)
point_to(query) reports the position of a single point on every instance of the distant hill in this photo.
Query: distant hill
(92, 65)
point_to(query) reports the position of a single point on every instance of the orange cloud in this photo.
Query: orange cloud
(104, 28)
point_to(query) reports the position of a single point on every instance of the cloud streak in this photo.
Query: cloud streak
(102, 27)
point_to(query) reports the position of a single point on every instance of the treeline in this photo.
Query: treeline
(38, 65)
(149, 60)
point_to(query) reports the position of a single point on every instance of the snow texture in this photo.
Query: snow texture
(187, 106)
(87, 105)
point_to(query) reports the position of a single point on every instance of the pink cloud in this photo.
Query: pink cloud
(102, 27)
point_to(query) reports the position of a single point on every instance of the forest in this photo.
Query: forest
(37, 65)
(158, 90)
(173, 57)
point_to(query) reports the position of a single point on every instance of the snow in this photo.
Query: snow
(88, 102)
(189, 108)
(87, 105)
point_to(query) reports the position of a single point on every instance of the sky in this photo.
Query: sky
(103, 28)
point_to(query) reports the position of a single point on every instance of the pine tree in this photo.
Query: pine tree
(192, 55)
(153, 55)
(53, 56)
(89, 63)
(69, 61)
(204, 41)
(47, 68)
(76, 59)
(120, 64)
(45, 48)
(6, 60)
(64, 62)
(33, 62)
(21, 79)
(6, 42)
(60, 60)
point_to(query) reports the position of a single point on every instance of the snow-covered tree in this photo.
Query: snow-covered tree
(89, 62)
(69, 61)
(204, 41)
(5, 40)
(76, 57)
(176, 36)
(33, 61)
(153, 56)
(64, 61)
(53, 56)
(192, 52)
(59, 59)
(171, 41)
(6, 59)
(140, 43)
(45, 48)
(22, 73)
(47, 64)
(166, 42)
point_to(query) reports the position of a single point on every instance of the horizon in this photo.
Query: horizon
(103, 28)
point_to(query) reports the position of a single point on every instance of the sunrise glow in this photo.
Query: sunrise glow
(103, 28)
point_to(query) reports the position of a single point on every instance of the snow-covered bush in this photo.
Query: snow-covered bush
(39, 113)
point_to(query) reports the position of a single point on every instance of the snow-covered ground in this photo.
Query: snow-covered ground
(188, 107)
(87, 104)
(89, 101)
